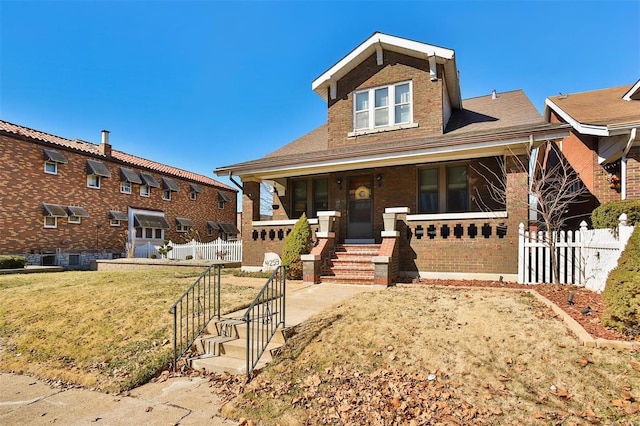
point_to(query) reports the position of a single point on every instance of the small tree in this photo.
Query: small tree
(297, 243)
(165, 248)
(554, 187)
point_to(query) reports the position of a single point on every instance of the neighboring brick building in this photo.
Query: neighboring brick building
(68, 202)
(604, 145)
(402, 163)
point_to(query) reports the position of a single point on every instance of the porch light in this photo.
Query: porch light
(339, 182)
(379, 179)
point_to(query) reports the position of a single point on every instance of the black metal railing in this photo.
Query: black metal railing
(194, 310)
(264, 316)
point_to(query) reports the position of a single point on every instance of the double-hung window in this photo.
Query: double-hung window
(309, 197)
(385, 106)
(443, 189)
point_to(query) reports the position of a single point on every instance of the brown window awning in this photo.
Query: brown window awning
(195, 188)
(170, 184)
(184, 221)
(229, 228)
(77, 211)
(149, 180)
(55, 156)
(223, 197)
(97, 168)
(149, 221)
(117, 215)
(128, 175)
(54, 210)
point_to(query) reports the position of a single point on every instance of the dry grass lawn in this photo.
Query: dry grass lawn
(104, 330)
(498, 357)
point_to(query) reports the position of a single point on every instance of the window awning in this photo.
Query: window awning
(77, 211)
(117, 215)
(149, 221)
(55, 156)
(213, 225)
(229, 228)
(223, 197)
(97, 168)
(149, 180)
(128, 175)
(184, 221)
(195, 188)
(170, 184)
(54, 210)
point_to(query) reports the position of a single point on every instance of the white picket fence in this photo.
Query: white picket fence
(585, 257)
(230, 251)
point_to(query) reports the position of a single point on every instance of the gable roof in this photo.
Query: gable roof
(378, 42)
(602, 112)
(486, 126)
(93, 150)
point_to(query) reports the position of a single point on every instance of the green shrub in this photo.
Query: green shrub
(12, 262)
(622, 293)
(297, 243)
(165, 248)
(188, 257)
(153, 256)
(606, 216)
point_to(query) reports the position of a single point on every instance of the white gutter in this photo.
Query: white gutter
(623, 163)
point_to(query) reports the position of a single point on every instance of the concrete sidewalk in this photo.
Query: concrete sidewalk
(182, 400)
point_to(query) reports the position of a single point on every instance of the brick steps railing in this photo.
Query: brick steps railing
(351, 264)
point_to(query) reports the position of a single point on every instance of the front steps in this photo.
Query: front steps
(222, 348)
(351, 264)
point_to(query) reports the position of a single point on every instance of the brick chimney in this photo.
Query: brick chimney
(105, 146)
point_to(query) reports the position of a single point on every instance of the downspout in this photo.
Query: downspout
(234, 182)
(623, 163)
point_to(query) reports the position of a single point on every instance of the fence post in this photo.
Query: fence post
(521, 253)
(582, 261)
(193, 248)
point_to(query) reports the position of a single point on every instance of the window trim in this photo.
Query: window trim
(74, 219)
(147, 193)
(391, 106)
(114, 222)
(97, 178)
(193, 196)
(55, 167)
(55, 222)
(125, 187)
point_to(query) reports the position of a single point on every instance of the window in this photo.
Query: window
(166, 194)
(168, 186)
(443, 189)
(93, 181)
(149, 226)
(51, 214)
(50, 222)
(51, 167)
(195, 190)
(310, 203)
(193, 196)
(222, 200)
(116, 217)
(74, 219)
(125, 187)
(114, 222)
(229, 231)
(145, 191)
(183, 224)
(211, 227)
(382, 107)
(76, 214)
(51, 160)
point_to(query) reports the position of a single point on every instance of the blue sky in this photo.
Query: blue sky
(203, 84)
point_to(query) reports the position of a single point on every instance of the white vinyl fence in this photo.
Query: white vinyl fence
(585, 257)
(219, 249)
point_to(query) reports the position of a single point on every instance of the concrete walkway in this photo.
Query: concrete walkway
(182, 400)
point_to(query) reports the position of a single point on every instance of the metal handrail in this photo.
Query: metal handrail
(193, 311)
(264, 316)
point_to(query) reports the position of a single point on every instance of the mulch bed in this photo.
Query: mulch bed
(558, 294)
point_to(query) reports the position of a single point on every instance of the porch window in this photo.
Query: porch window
(443, 189)
(382, 106)
(309, 197)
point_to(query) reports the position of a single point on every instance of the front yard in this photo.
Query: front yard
(105, 330)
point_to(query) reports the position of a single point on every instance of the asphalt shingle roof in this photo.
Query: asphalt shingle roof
(123, 157)
(603, 107)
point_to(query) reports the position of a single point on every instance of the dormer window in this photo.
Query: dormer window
(381, 107)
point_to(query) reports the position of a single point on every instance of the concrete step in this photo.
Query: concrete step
(221, 364)
(238, 349)
(210, 343)
(348, 279)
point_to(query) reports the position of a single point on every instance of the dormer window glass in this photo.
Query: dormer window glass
(373, 108)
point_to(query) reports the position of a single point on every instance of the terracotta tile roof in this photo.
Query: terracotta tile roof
(482, 117)
(92, 149)
(600, 107)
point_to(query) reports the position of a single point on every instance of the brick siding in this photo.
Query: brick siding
(24, 187)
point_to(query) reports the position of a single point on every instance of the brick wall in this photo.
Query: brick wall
(633, 173)
(24, 187)
(427, 98)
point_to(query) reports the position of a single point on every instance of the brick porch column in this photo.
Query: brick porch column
(312, 262)
(385, 264)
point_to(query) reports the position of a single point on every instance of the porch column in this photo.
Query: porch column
(253, 253)
(386, 264)
(312, 262)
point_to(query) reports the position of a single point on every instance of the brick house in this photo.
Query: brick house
(67, 202)
(604, 145)
(395, 183)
